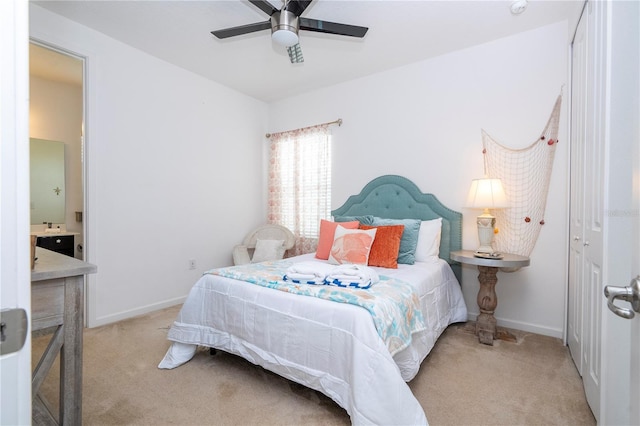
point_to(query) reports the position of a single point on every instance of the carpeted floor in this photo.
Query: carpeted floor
(462, 382)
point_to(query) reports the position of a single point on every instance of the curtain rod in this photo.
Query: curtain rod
(338, 122)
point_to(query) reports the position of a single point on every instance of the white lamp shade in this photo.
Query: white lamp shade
(487, 193)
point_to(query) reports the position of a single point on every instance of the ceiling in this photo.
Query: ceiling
(400, 32)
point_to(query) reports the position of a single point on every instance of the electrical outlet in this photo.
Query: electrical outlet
(192, 264)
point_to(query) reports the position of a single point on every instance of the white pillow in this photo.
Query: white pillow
(351, 246)
(429, 239)
(268, 250)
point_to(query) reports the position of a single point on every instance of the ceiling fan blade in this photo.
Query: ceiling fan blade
(295, 54)
(242, 29)
(265, 6)
(297, 6)
(332, 27)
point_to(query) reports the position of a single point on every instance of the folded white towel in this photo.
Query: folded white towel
(308, 272)
(349, 275)
(311, 267)
(358, 271)
(303, 278)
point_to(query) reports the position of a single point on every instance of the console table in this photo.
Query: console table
(57, 303)
(486, 329)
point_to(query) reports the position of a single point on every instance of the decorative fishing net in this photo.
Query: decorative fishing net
(525, 175)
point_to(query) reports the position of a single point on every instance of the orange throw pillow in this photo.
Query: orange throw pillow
(386, 246)
(327, 233)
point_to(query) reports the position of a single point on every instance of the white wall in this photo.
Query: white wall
(173, 171)
(423, 121)
(55, 113)
(174, 160)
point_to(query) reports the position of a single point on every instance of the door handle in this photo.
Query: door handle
(631, 294)
(13, 330)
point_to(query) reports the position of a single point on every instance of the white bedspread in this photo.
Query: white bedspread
(328, 346)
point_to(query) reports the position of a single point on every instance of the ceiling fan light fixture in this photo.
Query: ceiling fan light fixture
(284, 37)
(284, 28)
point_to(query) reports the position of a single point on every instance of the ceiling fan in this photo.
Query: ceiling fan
(285, 24)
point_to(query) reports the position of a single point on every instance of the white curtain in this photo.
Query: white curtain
(300, 183)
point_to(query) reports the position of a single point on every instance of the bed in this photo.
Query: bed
(335, 348)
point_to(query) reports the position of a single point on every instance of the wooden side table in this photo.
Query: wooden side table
(486, 329)
(57, 301)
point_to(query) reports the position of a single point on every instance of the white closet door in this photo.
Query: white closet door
(575, 320)
(587, 201)
(594, 200)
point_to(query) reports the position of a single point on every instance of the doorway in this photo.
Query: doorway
(57, 112)
(57, 115)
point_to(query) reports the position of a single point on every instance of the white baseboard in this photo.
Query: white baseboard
(523, 326)
(108, 319)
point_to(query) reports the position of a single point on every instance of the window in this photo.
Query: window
(300, 183)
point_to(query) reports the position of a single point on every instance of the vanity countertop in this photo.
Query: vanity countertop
(53, 234)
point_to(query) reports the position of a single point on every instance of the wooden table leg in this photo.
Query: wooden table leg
(486, 329)
(487, 302)
(71, 354)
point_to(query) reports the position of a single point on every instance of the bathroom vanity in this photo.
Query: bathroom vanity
(63, 243)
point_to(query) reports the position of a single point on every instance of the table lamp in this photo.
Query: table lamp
(486, 193)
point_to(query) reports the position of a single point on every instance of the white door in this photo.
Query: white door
(575, 314)
(605, 207)
(621, 341)
(595, 194)
(588, 141)
(15, 288)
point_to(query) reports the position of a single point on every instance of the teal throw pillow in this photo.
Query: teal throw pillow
(364, 220)
(409, 241)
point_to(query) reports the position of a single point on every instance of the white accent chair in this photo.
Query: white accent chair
(243, 253)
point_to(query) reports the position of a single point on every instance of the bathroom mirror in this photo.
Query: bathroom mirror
(47, 182)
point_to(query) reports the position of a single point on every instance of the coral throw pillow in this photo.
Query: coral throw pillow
(386, 246)
(351, 246)
(327, 234)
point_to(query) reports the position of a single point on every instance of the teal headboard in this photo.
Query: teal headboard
(396, 197)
